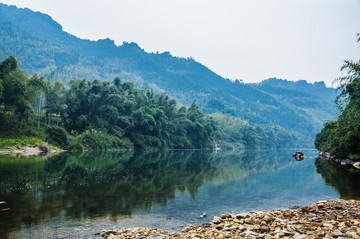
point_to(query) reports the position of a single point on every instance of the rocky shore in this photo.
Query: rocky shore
(29, 151)
(343, 162)
(327, 219)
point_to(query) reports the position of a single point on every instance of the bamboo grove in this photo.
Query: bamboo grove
(99, 114)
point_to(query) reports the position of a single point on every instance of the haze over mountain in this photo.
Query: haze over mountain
(42, 47)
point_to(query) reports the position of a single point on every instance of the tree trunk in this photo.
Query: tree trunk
(39, 114)
(57, 119)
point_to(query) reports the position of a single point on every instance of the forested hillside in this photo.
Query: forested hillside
(98, 115)
(41, 46)
(315, 100)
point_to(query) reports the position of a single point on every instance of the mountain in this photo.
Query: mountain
(41, 46)
(315, 100)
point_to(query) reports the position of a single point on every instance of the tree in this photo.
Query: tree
(342, 137)
(15, 94)
(55, 100)
(146, 118)
(38, 90)
(200, 129)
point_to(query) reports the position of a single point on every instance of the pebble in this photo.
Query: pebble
(217, 220)
(223, 216)
(325, 219)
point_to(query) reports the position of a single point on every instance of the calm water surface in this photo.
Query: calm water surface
(77, 195)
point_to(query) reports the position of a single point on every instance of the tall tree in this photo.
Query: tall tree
(342, 137)
(38, 87)
(55, 100)
(14, 97)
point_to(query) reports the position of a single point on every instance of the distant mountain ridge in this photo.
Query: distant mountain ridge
(318, 89)
(316, 100)
(41, 46)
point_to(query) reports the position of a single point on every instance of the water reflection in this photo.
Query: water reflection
(92, 185)
(345, 179)
(160, 188)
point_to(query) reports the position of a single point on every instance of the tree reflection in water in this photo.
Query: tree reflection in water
(345, 179)
(94, 185)
(71, 186)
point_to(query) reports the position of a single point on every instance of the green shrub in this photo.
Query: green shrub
(77, 146)
(58, 137)
(44, 147)
(97, 141)
(31, 133)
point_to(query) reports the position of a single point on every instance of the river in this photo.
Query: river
(72, 195)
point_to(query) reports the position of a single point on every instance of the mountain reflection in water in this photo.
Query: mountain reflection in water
(76, 195)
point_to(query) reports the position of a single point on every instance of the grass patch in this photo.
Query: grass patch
(6, 143)
(30, 136)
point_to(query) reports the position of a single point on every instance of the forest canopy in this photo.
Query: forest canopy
(100, 115)
(99, 111)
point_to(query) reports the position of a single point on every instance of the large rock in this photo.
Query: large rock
(298, 156)
(323, 154)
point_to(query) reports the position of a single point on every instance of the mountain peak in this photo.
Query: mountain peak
(284, 83)
(28, 19)
(106, 41)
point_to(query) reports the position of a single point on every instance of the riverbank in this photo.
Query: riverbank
(30, 151)
(327, 219)
(344, 162)
(25, 142)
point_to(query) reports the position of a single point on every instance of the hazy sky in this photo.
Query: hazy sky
(250, 40)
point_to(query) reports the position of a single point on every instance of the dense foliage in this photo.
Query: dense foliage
(239, 133)
(342, 136)
(146, 118)
(99, 115)
(16, 94)
(43, 47)
(316, 100)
